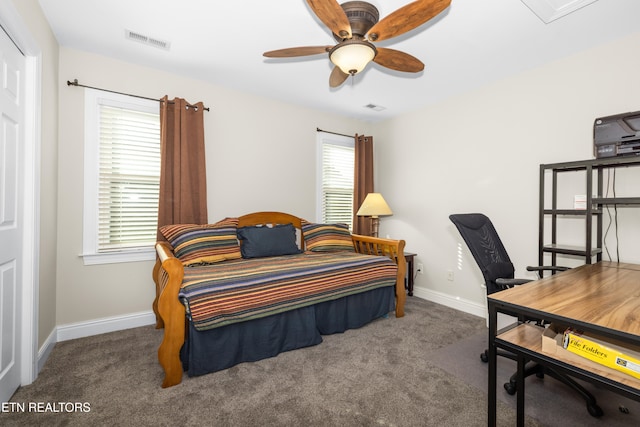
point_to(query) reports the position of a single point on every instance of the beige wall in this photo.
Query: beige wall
(260, 156)
(34, 20)
(476, 152)
(480, 152)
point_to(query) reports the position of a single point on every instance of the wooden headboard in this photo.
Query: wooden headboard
(272, 218)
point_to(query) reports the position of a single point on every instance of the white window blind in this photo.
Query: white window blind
(337, 174)
(129, 178)
(122, 177)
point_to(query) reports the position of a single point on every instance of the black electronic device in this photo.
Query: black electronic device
(617, 135)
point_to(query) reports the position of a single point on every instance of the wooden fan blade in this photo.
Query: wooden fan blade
(337, 77)
(398, 61)
(297, 51)
(406, 19)
(332, 15)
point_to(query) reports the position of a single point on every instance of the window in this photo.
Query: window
(335, 178)
(122, 177)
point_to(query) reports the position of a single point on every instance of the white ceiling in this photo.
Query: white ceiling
(472, 43)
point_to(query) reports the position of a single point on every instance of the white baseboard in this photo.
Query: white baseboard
(89, 328)
(45, 351)
(107, 324)
(452, 301)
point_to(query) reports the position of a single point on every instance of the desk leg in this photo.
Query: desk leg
(493, 360)
(520, 390)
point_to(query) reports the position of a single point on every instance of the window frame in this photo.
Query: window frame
(323, 138)
(94, 98)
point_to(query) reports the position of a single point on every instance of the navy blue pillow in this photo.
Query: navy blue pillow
(262, 241)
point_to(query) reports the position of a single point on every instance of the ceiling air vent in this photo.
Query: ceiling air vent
(375, 107)
(549, 11)
(161, 44)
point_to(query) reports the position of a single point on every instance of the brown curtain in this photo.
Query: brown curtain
(363, 181)
(183, 185)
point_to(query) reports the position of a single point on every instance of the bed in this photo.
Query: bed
(246, 308)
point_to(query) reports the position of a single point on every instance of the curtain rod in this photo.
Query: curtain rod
(334, 133)
(75, 83)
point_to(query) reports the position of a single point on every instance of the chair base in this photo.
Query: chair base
(540, 372)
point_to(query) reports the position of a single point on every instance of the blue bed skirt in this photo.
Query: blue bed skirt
(221, 348)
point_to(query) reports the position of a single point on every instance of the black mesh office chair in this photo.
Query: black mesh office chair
(498, 272)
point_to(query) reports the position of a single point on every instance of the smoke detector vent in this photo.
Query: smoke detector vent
(375, 107)
(151, 41)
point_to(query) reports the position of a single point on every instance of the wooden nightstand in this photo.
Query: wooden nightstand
(408, 256)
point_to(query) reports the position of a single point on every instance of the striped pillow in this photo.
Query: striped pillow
(209, 243)
(327, 237)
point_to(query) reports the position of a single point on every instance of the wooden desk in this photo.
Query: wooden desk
(602, 298)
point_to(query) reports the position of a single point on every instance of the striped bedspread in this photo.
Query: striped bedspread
(238, 290)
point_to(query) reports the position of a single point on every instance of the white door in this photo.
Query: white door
(12, 99)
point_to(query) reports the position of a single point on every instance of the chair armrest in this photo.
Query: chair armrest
(509, 283)
(542, 268)
(547, 268)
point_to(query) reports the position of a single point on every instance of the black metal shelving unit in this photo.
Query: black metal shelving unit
(593, 213)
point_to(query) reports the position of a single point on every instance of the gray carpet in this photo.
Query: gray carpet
(384, 374)
(547, 400)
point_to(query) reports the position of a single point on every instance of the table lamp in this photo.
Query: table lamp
(374, 206)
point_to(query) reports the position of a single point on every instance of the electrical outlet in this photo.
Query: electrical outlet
(450, 275)
(420, 268)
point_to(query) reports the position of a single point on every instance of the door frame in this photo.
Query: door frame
(17, 30)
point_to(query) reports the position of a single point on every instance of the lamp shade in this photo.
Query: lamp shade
(374, 205)
(351, 56)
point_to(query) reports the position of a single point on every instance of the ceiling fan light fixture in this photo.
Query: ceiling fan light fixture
(352, 55)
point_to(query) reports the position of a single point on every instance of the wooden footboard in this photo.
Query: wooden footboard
(393, 249)
(155, 275)
(171, 313)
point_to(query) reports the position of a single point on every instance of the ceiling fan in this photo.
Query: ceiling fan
(355, 26)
